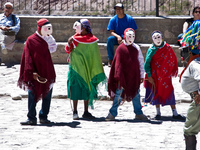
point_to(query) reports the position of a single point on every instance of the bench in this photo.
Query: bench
(62, 30)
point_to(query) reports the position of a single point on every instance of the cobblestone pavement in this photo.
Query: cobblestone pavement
(66, 134)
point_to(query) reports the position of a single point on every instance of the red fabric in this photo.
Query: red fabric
(36, 58)
(125, 72)
(40, 23)
(78, 38)
(163, 66)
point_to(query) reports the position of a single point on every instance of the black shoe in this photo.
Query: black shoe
(45, 121)
(88, 115)
(179, 117)
(29, 122)
(158, 117)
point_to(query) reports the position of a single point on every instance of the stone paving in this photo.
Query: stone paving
(66, 134)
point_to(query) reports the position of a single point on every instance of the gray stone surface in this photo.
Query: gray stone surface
(122, 134)
(9, 76)
(171, 27)
(64, 133)
(60, 56)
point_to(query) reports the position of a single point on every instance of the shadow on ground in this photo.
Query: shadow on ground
(73, 124)
(102, 119)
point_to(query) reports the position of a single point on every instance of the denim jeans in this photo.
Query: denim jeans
(111, 41)
(135, 101)
(32, 106)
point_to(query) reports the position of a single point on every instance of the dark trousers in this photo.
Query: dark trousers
(32, 106)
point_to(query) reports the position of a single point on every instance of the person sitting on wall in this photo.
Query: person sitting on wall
(188, 22)
(116, 26)
(9, 27)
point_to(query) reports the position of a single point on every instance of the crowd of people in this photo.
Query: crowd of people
(128, 68)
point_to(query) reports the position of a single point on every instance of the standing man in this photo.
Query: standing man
(37, 72)
(190, 83)
(85, 68)
(116, 26)
(126, 75)
(9, 26)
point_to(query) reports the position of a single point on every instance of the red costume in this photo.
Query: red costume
(163, 63)
(125, 70)
(36, 58)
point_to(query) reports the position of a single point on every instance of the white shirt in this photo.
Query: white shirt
(190, 80)
(50, 41)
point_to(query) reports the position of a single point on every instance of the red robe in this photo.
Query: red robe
(125, 71)
(164, 66)
(36, 58)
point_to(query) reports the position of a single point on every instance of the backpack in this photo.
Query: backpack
(13, 18)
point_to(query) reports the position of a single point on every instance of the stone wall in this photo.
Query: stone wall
(62, 30)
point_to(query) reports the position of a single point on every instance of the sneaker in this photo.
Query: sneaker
(158, 117)
(45, 121)
(75, 115)
(178, 117)
(88, 115)
(110, 117)
(141, 117)
(29, 122)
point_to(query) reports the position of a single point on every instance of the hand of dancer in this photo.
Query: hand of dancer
(151, 80)
(141, 80)
(70, 40)
(197, 98)
(35, 75)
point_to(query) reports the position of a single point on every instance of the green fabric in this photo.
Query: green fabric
(150, 52)
(85, 72)
(192, 124)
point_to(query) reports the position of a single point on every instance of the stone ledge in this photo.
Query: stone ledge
(61, 57)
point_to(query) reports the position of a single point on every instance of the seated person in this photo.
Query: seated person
(188, 22)
(9, 26)
(116, 26)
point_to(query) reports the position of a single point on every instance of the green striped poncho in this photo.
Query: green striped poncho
(85, 70)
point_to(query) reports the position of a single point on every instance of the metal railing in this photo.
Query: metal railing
(102, 7)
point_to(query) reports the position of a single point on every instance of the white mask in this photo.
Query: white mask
(46, 30)
(130, 37)
(157, 39)
(77, 27)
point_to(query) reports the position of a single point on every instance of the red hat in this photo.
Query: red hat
(127, 29)
(42, 22)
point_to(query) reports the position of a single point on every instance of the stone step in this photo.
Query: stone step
(61, 57)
